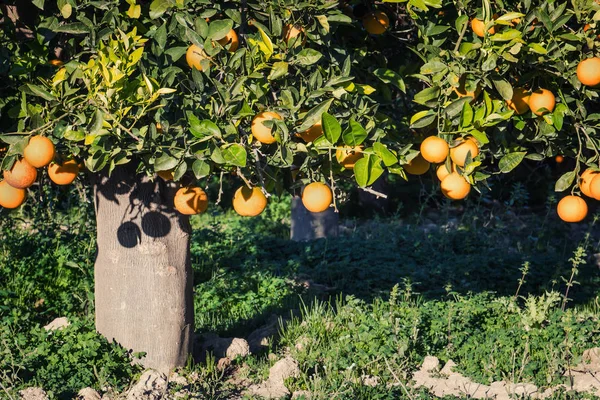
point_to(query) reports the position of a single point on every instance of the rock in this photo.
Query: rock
(301, 395)
(274, 387)
(223, 363)
(151, 386)
(430, 363)
(88, 394)
(176, 379)
(369, 380)
(260, 339)
(57, 323)
(224, 347)
(448, 368)
(592, 358)
(33, 393)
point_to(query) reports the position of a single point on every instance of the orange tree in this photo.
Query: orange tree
(153, 98)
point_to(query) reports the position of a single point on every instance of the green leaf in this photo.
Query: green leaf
(314, 115)
(355, 134)
(426, 95)
(389, 76)
(39, 91)
(367, 170)
(504, 88)
(308, 57)
(386, 156)
(331, 128)
(565, 181)
(278, 70)
(219, 29)
(165, 162)
(267, 44)
(201, 169)
(39, 4)
(466, 116)
(159, 7)
(74, 28)
(235, 155)
(510, 161)
(74, 136)
(537, 48)
(506, 36)
(422, 119)
(204, 128)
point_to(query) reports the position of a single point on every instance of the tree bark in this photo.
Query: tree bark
(307, 225)
(143, 275)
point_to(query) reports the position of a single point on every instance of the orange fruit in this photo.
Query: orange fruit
(347, 156)
(520, 101)
(585, 180)
(11, 197)
(417, 166)
(312, 133)
(190, 200)
(249, 202)
(166, 175)
(443, 172)
(63, 174)
(39, 151)
(461, 90)
(572, 209)
(588, 71)
(21, 175)
(194, 57)
(317, 197)
(478, 25)
(540, 99)
(230, 39)
(595, 187)
(434, 149)
(459, 153)
(455, 186)
(587, 28)
(559, 159)
(376, 22)
(260, 131)
(293, 32)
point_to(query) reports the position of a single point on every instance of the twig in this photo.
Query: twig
(220, 188)
(332, 182)
(259, 172)
(397, 379)
(241, 175)
(374, 192)
(6, 391)
(460, 37)
(46, 125)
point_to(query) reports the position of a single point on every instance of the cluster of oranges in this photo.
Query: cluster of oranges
(573, 208)
(435, 150)
(38, 153)
(250, 202)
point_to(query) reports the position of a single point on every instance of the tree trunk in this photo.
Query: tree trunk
(143, 275)
(307, 225)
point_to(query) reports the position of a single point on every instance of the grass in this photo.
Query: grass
(484, 286)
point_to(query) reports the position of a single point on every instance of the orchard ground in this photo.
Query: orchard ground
(481, 282)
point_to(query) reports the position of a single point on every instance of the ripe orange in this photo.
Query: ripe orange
(478, 25)
(260, 131)
(312, 133)
(22, 175)
(166, 175)
(461, 90)
(249, 202)
(194, 57)
(39, 151)
(455, 186)
(434, 149)
(56, 63)
(572, 209)
(520, 101)
(587, 28)
(190, 200)
(459, 153)
(585, 180)
(417, 166)
(559, 159)
(347, 156)
(63, 174)
(595, 187)
(230, 39)
(588, 71)
(11, 197)
(292, 32)
(443, 172)
(376, 22)
(540, 99)
(317, 197)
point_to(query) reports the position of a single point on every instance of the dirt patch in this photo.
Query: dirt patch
(274, 387)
